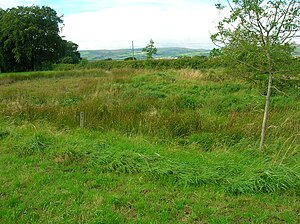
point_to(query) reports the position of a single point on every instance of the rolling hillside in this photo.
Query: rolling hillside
(124, 53)
(172, 52)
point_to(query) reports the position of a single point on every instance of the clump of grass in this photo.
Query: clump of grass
(37, 144)
(267, 179)
(204, 140)
(4, 134)
(229, 176)
(68, 157)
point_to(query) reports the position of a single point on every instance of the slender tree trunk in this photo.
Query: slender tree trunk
(266, 113)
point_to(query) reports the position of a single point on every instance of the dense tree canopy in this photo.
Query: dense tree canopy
(29, 38)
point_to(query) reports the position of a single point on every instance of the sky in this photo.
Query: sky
(114, 24)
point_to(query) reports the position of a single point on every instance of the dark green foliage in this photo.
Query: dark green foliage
(129, 58)
(3, 134)
(29, 36)
(67, 60)
(30, 40)
(71, 53)
(215, 52)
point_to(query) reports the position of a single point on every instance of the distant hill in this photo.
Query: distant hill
(121, 54)
(172, 52)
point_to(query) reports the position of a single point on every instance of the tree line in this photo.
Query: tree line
(30, 39)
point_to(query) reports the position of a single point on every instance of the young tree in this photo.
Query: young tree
(150, 49)
(258, 34)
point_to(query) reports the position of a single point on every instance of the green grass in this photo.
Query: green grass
(157, 147)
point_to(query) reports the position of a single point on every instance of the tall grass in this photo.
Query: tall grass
(235, 172)
(196, 109)
(200, 109)
(157, 147)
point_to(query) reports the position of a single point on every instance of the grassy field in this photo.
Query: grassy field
(156, 147)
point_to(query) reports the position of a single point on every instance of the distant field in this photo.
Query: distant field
(167, 53)
(125, 53)
(156, 147)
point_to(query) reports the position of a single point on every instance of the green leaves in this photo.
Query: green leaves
(29, 38)
(150, 49)
(261, 26)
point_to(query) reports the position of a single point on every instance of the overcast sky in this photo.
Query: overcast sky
(113, 24)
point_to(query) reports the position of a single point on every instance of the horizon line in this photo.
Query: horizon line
(142, 48)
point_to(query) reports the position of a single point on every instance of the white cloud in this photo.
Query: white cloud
(116, 27)
(113, 24)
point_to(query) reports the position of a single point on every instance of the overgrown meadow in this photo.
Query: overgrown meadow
(173, 146)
